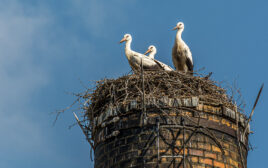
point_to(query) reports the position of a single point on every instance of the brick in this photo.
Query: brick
(233, 155)
(119, 158)
(195, 101)
(233, 162)
(226, 152)
(114, 152)
(177, 102)
(186, 102)
(162, 145)
(226, 122)
(178, 159)
(186, 113)
(233, 148)
(131, 155)
(215, 148)
(213, 118)
(178, 143)
(225, 145)
(132, 139)
(145, 137)
(198, 138)
(228, 112)
(201, 150)
(181, 152)
(220, 157)
(122, 141)
(229, 166)
(151, 115)
(162, 101)
(166, 152)
(204, 146)
(195, 152)
(203, 115)
(200, 107)
(170, 102)
(167, 134)
(210, 155)
(163, 159)
(209, 109)
(140, 145)
(150, 152)
(193, 144)
(205, 108)
(205, 161)
(218, 164)
(173, 114)
(185, 136)
(125, 163)
(109, 147)
(194, 159)
(133, 104)
(125, 148)
(217, 110)
(162, 165)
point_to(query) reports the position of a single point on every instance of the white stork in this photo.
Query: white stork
(134, 58)
(152, 51)
(181, 54)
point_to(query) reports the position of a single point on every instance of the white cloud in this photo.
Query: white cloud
(100, 16)
(20, 77)
(31, 42)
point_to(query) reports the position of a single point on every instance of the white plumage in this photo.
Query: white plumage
(152, 51)
(134, 58)
(181, 54)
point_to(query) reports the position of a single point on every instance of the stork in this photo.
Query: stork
(181, 54)
(135, 58)
(152, 51)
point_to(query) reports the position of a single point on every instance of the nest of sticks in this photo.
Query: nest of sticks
(156, 84)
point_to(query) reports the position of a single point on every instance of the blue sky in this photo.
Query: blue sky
(48, 47)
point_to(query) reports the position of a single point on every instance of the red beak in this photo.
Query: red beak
(147, 51)
(175, 28)
(123, 39)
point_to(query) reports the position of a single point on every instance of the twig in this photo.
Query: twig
(252, 111)
(82, 128)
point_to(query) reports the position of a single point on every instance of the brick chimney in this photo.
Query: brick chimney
(150, 131)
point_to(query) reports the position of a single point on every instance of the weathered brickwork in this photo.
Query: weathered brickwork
(174, 132)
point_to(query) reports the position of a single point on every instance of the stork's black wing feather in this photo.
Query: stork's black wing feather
(159, 64)
(189, 64)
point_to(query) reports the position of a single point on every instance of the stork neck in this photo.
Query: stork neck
(128, 45)
(178, 35)
(152, 54)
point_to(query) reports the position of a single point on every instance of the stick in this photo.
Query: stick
(252, 111)
(82, 128)
(144, 115)
(237, 137)
(143, 92)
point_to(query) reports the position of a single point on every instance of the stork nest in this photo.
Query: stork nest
(156, 84)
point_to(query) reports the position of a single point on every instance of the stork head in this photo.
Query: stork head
(179, 26)
(127, 37)
(151, 48)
